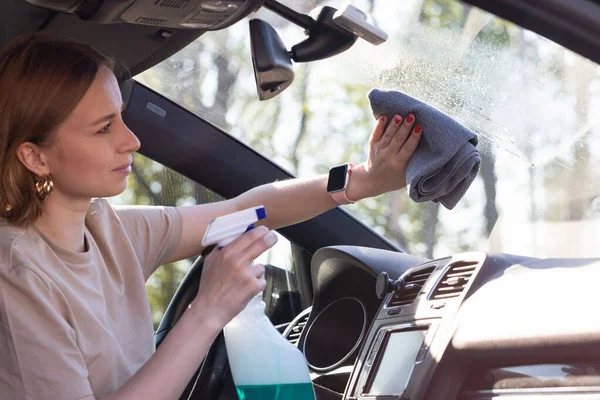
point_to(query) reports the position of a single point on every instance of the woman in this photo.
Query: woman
(74, 317)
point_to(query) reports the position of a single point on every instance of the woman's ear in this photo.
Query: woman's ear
(32, 158)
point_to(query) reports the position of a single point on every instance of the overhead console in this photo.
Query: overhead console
(175, 14)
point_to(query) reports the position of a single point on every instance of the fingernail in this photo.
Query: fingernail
(410, 118)
(397, 120)
(271, 238)
(418, 129)
(382, 119)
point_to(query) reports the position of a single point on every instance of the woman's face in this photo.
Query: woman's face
(90, 155)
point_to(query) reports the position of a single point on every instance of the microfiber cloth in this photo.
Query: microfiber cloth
(445, 162)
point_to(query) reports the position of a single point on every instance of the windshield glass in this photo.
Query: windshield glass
(529, 100)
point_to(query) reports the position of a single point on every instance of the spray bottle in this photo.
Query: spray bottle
(264, 365)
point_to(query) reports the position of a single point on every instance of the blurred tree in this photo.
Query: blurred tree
(583, 73)
(571, 177)
(304, 114)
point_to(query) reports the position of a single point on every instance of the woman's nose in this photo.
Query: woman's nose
(130, 142)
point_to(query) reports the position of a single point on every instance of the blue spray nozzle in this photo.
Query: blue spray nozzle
(224, 230)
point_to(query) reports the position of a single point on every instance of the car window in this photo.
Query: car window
(151, 183)
(529, 100)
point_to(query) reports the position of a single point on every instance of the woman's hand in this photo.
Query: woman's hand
(390, 149)
(229, 280)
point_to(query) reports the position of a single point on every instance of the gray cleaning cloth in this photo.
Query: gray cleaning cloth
(445, 162)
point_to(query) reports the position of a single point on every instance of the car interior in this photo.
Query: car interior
(376, 315)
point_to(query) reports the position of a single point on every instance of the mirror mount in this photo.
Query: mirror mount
(325, 38)
(303, 21)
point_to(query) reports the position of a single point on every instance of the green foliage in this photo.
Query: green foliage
(496, 33)
(444, 14)
(161, 287)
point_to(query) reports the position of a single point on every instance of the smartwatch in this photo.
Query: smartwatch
(339, 177)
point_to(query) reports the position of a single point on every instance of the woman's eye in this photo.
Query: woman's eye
(106, 129)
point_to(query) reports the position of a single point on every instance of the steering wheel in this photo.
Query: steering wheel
(209, 380)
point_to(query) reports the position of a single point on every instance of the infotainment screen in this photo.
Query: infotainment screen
(396, 362)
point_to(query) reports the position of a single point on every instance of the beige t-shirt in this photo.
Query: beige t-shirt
(76, 324)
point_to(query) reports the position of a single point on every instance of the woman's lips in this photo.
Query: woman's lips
(123, 169)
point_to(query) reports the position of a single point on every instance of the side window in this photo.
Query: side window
(151, 183)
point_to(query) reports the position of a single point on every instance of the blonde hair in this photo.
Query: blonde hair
(42, 79)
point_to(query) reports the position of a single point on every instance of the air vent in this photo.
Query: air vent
(455, 280)
(172, 3)
(150, 21)
(293, 332)
(414, 283)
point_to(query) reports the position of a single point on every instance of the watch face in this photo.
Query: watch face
(337, 178)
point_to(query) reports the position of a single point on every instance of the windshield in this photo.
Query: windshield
(529, 100)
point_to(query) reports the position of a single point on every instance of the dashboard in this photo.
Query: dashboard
(470, 326)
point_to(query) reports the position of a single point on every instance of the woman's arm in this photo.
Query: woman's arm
(297, 200)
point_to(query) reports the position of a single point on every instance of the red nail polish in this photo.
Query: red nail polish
(397, 120)
(418, 129)
(410, 118)
(382, 119)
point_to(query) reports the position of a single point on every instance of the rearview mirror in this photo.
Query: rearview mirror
(272, 63)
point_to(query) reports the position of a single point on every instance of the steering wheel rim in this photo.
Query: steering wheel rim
(210, 378)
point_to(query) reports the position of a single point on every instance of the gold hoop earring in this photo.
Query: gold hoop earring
(44, 187)
(8, 209)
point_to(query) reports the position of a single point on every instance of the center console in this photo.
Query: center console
(412, 329)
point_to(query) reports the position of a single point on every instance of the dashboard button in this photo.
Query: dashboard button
(375, 349)
(438, 306)
(372, 355)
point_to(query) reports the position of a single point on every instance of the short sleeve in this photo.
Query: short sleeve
(154, 231)
(38, 347)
